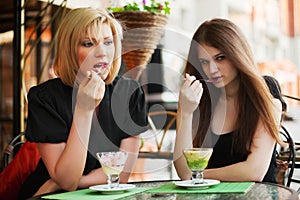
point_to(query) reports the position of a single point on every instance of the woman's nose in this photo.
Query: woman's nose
(213, 67)
(100, 50)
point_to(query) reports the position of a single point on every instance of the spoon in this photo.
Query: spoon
(99, 72)
(205, 80)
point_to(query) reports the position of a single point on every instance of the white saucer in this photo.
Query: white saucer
(106, 190)
(189, 184)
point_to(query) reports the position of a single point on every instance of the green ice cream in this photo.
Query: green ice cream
(197, 160)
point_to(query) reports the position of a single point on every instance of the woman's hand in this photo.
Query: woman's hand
(91, 91)
(190, 94)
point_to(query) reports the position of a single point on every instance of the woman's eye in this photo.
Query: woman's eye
(108, 42)
(203, 62)
(220, 57)
(87, 44)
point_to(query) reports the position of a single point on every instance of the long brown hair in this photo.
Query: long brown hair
(254, 99)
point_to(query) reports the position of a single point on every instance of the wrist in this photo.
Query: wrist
(185, 114)
(83, 111)
(82, 115)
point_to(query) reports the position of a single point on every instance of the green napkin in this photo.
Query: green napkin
(86, 194)
(223, 187)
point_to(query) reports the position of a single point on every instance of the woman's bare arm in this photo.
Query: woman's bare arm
(257, 163)
(189, 98)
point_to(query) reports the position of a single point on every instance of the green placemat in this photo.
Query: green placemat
(86, 194)
(223, 187)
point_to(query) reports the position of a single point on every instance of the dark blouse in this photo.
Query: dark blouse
(223, 156)
(121, 114)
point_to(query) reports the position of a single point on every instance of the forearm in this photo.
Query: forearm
(242, 171)
(95, 177)
(70, 166)
(130, 145)
(47, 187)
(183, 141)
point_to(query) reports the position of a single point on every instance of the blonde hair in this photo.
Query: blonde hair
(74, 26)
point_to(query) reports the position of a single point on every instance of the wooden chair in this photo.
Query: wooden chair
(154, 118)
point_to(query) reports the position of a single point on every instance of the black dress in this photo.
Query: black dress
(223, 156)
(121, 114)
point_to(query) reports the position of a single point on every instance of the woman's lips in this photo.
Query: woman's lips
(101, 68)
(215, 79)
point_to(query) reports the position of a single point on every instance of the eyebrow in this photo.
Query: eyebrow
(215, 56)
(218, 54)
(108, 37)
(95, 39)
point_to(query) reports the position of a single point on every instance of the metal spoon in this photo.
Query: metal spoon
(205, 80)
(99, 72)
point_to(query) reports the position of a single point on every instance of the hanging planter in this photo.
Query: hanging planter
(143, 29)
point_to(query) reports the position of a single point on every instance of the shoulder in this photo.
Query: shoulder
(49, 84)
(48, 89)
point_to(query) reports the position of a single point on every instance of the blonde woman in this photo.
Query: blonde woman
(87, 109)
(233, 112)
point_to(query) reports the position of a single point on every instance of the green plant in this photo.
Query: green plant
(161, 7)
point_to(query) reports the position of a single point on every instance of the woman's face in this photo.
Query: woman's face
(97, 53)
(216, 66)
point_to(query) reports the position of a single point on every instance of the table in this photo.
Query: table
(257, 191)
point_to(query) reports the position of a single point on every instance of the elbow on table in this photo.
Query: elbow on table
(182, 174)
(70, 185)
(256, 178)
(256, 175)
(184, 177)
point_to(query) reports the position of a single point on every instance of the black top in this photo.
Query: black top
(121, 114)
(223, 156)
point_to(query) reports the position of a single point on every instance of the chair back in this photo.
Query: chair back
(12, 148)
(288, 155)
(160, 122)
(19, 161)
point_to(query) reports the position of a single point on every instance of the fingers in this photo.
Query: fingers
(192, 88)
(198, 90)
(94, 84)
(87, 77)
(196, 84)
(189, 79)
(91, 75)
(192, 82)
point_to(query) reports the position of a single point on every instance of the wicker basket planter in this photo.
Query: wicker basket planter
(143, 31)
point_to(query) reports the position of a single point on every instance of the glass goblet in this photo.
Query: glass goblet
(197, 160)
(112, 164)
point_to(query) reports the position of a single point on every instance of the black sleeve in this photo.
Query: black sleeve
(129, 107)
(137, 107)
(44, 123)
